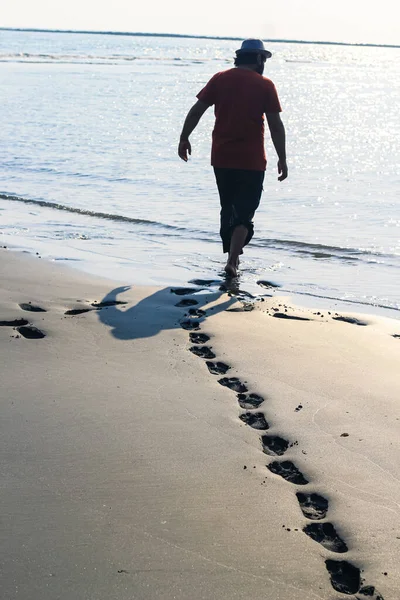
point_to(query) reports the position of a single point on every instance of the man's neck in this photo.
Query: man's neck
(248, 67)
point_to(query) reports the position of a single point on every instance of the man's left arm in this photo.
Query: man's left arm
(272, 111)
(192, 119)
(278, 137)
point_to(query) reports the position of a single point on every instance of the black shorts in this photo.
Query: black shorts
(240, 193)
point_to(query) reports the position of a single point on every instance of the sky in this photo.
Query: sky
(360, 21)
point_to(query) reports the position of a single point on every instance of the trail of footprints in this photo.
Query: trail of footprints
(344, 576)
(25, 329)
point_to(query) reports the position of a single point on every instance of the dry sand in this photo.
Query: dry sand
(128, 474)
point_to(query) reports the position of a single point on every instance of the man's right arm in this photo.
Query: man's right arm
(278, 137)
(193, 117)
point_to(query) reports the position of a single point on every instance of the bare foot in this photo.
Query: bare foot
(230, 270)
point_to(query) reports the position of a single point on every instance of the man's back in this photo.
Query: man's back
(241, 97)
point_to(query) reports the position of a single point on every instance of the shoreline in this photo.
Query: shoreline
(187, 440)
(305, 300)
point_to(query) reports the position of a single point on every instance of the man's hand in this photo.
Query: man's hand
(282, 170)
(184, 149)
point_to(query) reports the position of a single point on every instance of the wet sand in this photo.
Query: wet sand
(190, 443)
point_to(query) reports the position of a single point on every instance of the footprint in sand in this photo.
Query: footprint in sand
(345, 577)
(77, 311)
(274, 445)
(250, 401)
(202, 351)
(281, 315)
(254, 420)
(190, 324)
(187, 302)
(246, 307)
(267, 284)
(25, 328)
(351, 320)
(107, 303)
(184, 291)
(217, 368)
(233, 383)
(313, 506)
(326, 535)
(199, 338)
(14, 323)
(95, 306)
(30, 332)
(288, 471)
(31, 307)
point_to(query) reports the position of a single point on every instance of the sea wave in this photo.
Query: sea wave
(357, 302)
(320, 250)
(26, 57)
(299, 247)
(14, 164)
(88, 213)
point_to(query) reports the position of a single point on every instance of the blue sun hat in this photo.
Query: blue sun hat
(253, 45)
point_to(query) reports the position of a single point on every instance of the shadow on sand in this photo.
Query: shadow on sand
(157, 312)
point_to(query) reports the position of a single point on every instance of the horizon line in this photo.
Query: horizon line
(192, 36)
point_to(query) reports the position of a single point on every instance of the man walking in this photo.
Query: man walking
(241, 97)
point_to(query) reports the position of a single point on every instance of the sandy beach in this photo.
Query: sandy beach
(180, 443)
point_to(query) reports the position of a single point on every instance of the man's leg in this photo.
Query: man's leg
(238, 239)
(226, 186)
(245, 201)
(240, 192)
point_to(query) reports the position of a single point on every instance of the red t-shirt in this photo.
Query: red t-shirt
(241, 97)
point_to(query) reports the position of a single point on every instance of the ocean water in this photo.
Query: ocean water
(90, 173)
